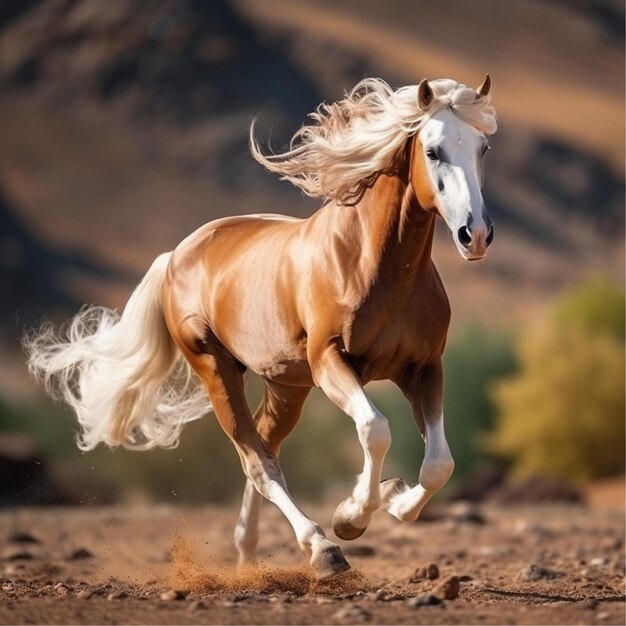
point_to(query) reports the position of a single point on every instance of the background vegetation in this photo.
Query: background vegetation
(549, 400)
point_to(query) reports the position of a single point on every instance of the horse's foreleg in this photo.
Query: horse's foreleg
(424, 391)
(276, 416)
(339, 382)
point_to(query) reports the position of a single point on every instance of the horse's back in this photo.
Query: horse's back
(232, 277)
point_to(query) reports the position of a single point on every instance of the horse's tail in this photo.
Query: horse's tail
(123, 375)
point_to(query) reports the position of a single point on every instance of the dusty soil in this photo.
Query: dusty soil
(113, 565)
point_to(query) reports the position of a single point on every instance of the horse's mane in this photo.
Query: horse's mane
(353, 140)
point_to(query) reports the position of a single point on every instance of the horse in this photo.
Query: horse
(347, 296)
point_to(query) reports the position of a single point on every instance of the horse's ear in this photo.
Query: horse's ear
(425, 95)
(485, 88)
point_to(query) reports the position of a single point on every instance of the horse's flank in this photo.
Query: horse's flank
(361, 277)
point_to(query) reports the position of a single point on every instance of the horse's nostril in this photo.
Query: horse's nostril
(465, 236)
(490, 235)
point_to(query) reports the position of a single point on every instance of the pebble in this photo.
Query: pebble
(117, 595)
(448, 589)
(428, 572)
(60, 589)
(79, 554)
(534, 572)
(590, 604)
(355, 613)
(426, 599)
(174, 594)
(20, 536)
(597, 561)
(196, 605)
(84, 594)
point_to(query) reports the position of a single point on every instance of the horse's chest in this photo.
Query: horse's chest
(388, 334)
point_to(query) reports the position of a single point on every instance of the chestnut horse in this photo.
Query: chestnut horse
(344, 297)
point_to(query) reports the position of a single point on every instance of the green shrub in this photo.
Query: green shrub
(563, 413)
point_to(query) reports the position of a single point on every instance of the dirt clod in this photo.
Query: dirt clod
(79, 554)
(22, 536)
(428, 572)
(180, 594)
(117, 595)
(197, 605)
(449, 588)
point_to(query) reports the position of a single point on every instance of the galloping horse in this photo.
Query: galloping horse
(344, 297)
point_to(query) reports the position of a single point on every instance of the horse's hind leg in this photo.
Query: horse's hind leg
(221, 374)
(276, 416)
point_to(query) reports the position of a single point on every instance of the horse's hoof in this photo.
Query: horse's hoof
(329, 562)
(343, 528)
(390, 488)
(346, 531)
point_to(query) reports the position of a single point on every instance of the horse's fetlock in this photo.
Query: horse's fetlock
(435, 473)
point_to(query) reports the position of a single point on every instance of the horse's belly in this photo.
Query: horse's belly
(282, 362)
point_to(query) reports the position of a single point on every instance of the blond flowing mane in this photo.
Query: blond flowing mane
(353, 140)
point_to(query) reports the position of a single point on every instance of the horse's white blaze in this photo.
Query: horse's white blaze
(456, 176)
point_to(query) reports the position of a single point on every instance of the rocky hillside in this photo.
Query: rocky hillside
(123, 126)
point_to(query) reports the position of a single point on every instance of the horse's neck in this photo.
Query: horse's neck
(397, 234)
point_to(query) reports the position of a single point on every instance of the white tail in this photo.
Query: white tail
(124, 377)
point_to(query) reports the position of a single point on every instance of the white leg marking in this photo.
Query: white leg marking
(326, 557)
(435, 471)
(375, 438)
(247, 529)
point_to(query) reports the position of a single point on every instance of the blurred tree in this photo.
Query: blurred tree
(563, 413)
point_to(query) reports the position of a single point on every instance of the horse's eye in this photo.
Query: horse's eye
(431, 154)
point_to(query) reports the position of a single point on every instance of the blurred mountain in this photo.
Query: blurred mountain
(123, 126)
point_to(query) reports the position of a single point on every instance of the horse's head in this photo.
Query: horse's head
(447, 172)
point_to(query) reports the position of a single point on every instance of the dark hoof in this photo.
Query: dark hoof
(346, 531)
(329, 562)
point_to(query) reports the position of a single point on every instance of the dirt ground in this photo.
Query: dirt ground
(536, 564)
